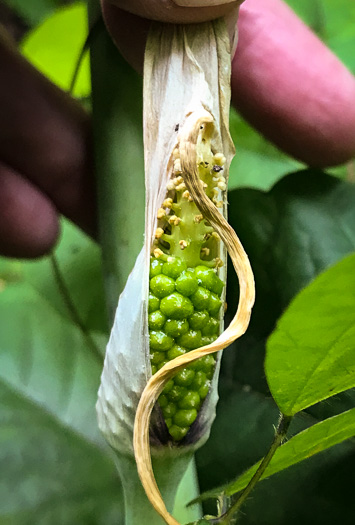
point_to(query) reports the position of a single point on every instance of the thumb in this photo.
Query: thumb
(176, 11)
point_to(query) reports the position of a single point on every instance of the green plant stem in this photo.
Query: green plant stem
(119, 159)
(280, 435)
(73, 310)
(119, 167)
(169, 472)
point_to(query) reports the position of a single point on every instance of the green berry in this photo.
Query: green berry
(218, 286)
(191, 400)
(153, 303)
(184, 377)
(185, 418)
(204, 389)
(160, 341)
(176, 306)
(214, 304)
(176, 327)
(199, 380)
(198, 320)
(177, 433)
(169, 385)
(205, 276)
(212, 327)
(169, 410)
(207, 363)
(157, 357)
(162, 285)
(155, 267)
(176, 393)
(190, 340)
(156, 320)
(186, 283)
(201, 298)
(163, 401)
(169, 422)
(174, 267)
(208, 279)
(175, 351)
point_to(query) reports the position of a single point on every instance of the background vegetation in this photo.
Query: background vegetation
(294, 223)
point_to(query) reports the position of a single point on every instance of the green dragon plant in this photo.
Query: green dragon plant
(158, 387)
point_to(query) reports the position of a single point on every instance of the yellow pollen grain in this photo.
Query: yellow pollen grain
(161, 213)
(219, 159)
(174, 219)
(158, 233)
(157, 253)
(198, 218)
(168, 202)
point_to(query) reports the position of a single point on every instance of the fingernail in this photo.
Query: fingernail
(201, 3)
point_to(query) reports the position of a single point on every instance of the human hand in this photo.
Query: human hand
(284, 81)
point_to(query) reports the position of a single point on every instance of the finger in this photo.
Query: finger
(291, 88)
(130, 31)
(285, 82)
(176, 11)
(45, 136)
(29, 224)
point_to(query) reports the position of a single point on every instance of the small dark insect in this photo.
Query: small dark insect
(177, 127)
(217, 168)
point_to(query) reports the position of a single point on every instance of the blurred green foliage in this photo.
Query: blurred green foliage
(56, 469)
(54, 47)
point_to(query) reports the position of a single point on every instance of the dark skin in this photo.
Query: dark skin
(285, 82)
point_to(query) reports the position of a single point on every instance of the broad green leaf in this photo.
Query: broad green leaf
(303, 225)
(79, 261)
(311, 441)
(55, 45)
(55, 466)
(311, 354)
(242, 433)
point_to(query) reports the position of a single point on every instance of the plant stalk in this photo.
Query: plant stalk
(119, 159)
(280, 435)
(119, 166)
(170, 471)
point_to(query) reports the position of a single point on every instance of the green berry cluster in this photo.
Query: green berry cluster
(183, 314)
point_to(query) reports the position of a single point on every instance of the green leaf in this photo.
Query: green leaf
(310, 355)
(311, 441)
(55, 45)
(79, 261)
(55, 466)
(302, 226)
(242, 433)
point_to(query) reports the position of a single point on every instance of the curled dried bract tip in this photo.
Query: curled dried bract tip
(189, 136)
